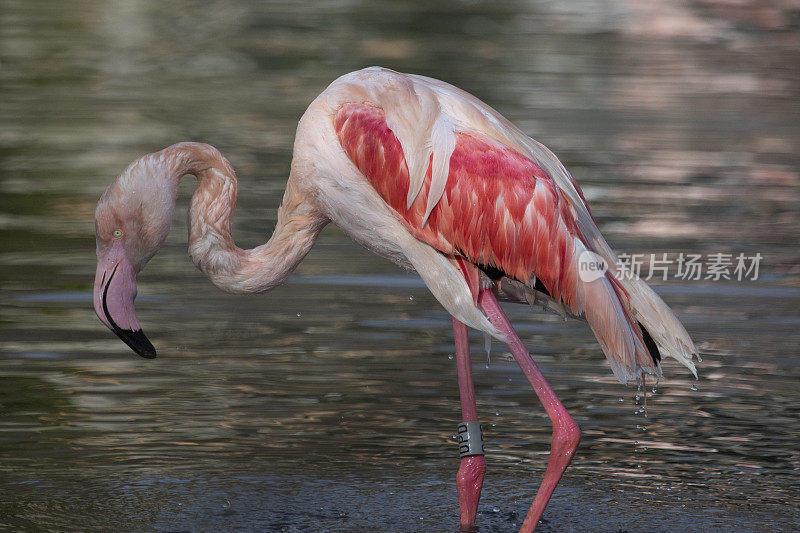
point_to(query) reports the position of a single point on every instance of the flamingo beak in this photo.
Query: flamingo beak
(114, 293)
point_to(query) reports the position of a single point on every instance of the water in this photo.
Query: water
(328, 404)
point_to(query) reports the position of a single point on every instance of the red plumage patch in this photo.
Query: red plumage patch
(499, 208)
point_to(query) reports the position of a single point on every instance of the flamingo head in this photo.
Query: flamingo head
(132, 220)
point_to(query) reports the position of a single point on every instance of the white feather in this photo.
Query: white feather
(448, 285)
(660, 321)
(443, 139)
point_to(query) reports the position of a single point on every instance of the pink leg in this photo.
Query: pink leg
(470, 475)
(566, 434)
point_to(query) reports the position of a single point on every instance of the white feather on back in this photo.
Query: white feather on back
(443, 139)
(414, 115)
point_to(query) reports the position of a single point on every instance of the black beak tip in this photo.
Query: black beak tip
(148, 352)
(138, 342)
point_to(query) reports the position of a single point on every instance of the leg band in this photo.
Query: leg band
(470, 439)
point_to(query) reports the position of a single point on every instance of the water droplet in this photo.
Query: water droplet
(226, 505)
(487, 365)
(655, 389)
(644, 448)
(299, 314)
(642, 428)
(637, 398)
(494, 425)
(411, 298)
(450, 357)
(636, 443)
(621, 399)
(495, 509)
(497, 413)
(693, 388)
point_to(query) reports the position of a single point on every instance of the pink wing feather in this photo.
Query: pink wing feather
(502, 210)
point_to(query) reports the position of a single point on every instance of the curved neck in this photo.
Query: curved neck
(211, 244)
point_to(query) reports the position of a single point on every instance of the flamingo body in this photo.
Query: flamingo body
(498, 199)
(431, 178)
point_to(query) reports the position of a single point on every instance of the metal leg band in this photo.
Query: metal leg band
(470, 439)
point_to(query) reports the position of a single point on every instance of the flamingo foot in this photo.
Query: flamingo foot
(566, 437)
(469, 482)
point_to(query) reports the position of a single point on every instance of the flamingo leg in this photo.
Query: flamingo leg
(473, 467)
(566, 434)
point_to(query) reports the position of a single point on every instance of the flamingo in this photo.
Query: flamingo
(431, 178)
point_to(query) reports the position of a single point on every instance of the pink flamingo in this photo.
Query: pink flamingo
(427, 176)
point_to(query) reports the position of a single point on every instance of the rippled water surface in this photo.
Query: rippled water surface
(330, 403)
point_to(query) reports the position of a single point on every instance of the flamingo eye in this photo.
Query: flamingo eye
(117, 233)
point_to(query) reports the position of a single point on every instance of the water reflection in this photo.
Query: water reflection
(330, 402)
